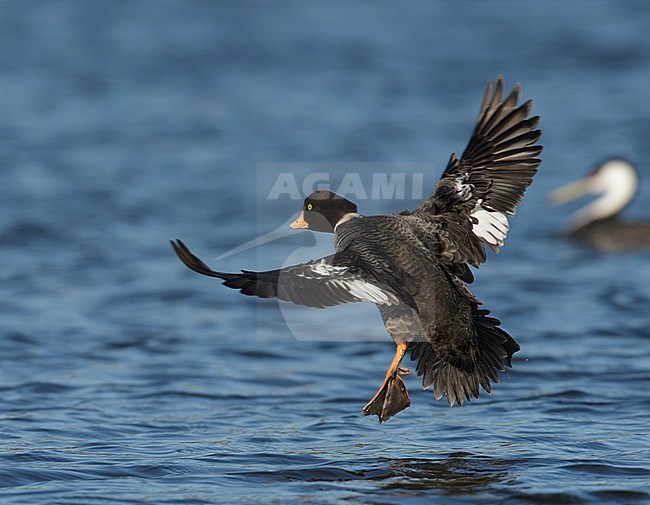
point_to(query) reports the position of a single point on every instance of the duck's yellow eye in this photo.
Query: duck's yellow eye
(309, 206)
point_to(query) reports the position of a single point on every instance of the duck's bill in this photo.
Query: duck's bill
(570, 192)
(300, 222)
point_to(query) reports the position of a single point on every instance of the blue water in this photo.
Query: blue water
(126, 378)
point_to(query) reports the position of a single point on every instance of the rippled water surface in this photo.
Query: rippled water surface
(125, 378)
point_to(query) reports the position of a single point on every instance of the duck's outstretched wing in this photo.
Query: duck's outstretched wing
(332, 280)
(477, 192)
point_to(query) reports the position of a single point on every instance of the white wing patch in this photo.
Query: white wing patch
(369, 292)
(491, 227)
(463, 190)
(324, 269)
(359, 288)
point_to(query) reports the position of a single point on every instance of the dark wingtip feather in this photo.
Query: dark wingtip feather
(192, 262)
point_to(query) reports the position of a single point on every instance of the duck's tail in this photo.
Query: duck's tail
(494, 352)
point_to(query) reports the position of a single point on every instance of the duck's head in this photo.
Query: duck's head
(615, 180)
(322, 211)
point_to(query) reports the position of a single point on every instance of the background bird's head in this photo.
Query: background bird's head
(322, 211)
(615, 181)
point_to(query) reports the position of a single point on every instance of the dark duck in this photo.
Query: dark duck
(414, 266)
(598, 224)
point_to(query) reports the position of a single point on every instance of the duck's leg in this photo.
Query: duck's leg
(392, 395)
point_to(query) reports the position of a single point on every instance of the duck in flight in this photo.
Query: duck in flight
(598, 225)
(414, 266)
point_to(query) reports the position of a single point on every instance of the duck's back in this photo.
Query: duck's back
(408, 245)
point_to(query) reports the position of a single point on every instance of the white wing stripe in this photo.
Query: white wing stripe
(369, 292)
(321, 270)
(357, 287)
(491, 226)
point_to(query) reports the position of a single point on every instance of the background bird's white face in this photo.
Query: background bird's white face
(617, 177)
(615, 181)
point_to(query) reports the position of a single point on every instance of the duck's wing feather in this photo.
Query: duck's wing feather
(332, 280)
(477, 192)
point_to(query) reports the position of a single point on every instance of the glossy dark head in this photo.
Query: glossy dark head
(322, 210)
